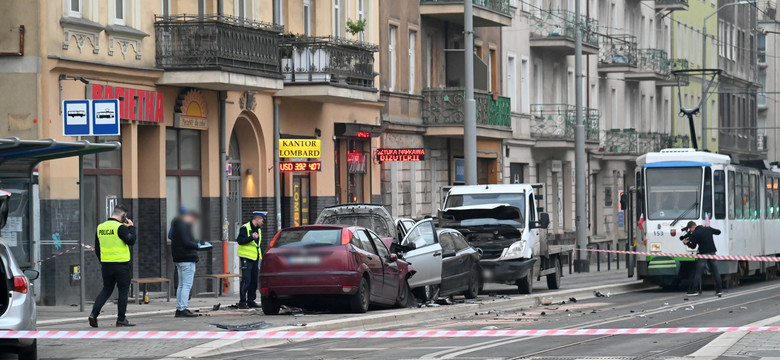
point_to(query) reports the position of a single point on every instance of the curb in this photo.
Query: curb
(724, 342)
(402, 317)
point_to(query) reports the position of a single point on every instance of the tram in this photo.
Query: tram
(680, 185)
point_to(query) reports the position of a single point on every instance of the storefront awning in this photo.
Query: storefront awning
(19, 157)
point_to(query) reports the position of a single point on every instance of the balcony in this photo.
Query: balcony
(555, 31)
(486, 12)
(652, 65)
(617, 53)
(558, 122)
(217, 52)
(671, 5)
(735, 142)
(443, 112)
(328, 69)
(631, 142)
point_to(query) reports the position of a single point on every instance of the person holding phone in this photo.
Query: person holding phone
(184, 250)
(249, 238)
(112, 247)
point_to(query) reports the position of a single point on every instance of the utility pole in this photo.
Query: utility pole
(470, 109)
(703, 104)
(583, 264)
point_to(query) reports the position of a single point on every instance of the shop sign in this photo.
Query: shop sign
(192, 112)
(460, 174)
(134, 104)
(363, 131)
(304, 166)
(400, 155)
(356, 162)
(299, 148)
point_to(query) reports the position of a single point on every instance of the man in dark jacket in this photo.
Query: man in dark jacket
(184, 249)
(113, 239)
(701, 236)
(249, 238)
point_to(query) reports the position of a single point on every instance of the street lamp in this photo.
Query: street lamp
(84, 80)
(704, 66)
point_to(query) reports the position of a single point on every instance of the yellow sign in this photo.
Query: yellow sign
(299, 148)
(193, 112)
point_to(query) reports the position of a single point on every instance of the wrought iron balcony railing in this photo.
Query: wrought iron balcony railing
(328, 60)
(671, 2)
(558, 121)
(446, 107)
(501, 6)
(737, 141)
(654, 60)
(618, 50)
(217, 42)
(680, 141)
(555, 23)
(629, 141)
(680, 64)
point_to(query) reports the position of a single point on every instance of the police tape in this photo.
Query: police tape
(401, 334)
(87, 247)
(697, 256)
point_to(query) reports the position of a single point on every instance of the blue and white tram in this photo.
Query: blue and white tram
(681, 185)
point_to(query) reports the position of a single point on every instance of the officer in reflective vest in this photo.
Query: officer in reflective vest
(112, 247)
(249, 239)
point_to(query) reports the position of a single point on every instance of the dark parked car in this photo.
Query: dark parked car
(332, 265)
(17, 303)
(370, 216)
(444, 262)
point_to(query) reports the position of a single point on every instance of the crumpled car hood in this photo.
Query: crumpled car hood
(492, 211)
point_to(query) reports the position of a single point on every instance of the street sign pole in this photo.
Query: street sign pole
(82, 284)
(579, 145)
(470, 120)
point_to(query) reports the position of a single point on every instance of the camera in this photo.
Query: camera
(686, 234)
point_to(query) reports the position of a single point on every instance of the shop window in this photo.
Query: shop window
(356, 169)
(300, 200)
(182, 162)
(102, 188)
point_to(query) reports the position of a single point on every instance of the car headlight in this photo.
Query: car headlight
(655, 247)
(515, 250)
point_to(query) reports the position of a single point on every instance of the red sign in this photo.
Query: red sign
(304, 166)
(400, 155)
(363, 134)
(134, 104)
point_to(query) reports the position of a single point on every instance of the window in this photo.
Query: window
(380, 246)
(102, 186)
(241, 9)
(493, 71)
(393, 58)
(166, 7)
(776, 193)
(719, 183)
(307, 17)
(412, 60)
(769, 199)
(337, 18)
(739, 200)
(428, 61)
(75, 8)
(361, 15)
(365, 243)
(201, 7)
(731, 195)
(447, 244)
(182, 163)
(119, 12)
(707, 193)
(421, 235)
(755, 208)
(525, 87)
(673, 193)
(511, 78)
(460, 242)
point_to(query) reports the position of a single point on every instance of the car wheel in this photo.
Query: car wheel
(358, 303)
(405, 298)
(474, 283)
(270, 305)
(526, 284)
(29, 352)
(554, 280)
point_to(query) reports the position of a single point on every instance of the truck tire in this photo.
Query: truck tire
(526, 284)
(554, 280)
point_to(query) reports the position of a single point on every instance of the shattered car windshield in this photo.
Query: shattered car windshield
(372, 222)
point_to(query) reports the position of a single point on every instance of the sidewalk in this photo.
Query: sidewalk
(754, 345)
(158, 308)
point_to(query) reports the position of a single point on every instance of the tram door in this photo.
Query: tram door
(234, 188)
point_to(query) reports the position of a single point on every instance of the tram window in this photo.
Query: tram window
(707, 193)
(732, 190)
(719, 182)
(739, 201)
(776, 204)
(769, 198)
(754, 207)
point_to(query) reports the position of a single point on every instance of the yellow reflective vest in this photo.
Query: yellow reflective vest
(112, 248)
(251, 250)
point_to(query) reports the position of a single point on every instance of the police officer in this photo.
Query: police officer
(112, 247)
(701, 236)
(249, 239)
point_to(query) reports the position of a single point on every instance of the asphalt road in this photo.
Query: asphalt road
(653, 308)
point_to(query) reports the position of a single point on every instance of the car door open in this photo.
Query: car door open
(424, 253)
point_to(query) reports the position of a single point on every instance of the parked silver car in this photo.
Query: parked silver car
(17, 303)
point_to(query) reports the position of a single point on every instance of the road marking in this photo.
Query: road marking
(356, 349)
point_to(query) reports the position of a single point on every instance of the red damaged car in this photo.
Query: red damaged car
(331, 266)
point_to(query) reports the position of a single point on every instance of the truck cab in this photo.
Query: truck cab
(506, 224)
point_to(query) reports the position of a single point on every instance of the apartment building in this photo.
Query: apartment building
(768, 44)
(422, 87)
(192, 88)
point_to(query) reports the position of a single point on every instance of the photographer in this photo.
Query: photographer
(701, 236)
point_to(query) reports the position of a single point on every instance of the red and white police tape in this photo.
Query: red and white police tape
(87, 247)
(698, 256)
(233, 335)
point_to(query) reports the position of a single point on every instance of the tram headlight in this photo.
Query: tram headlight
(656, 247)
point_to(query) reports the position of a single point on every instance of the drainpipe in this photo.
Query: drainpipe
(277, 175)
(223, 165)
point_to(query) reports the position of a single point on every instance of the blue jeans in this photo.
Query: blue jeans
(186, 276)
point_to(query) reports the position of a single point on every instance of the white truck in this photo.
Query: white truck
(507, 223)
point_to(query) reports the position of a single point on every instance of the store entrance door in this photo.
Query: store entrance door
(234, 188)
